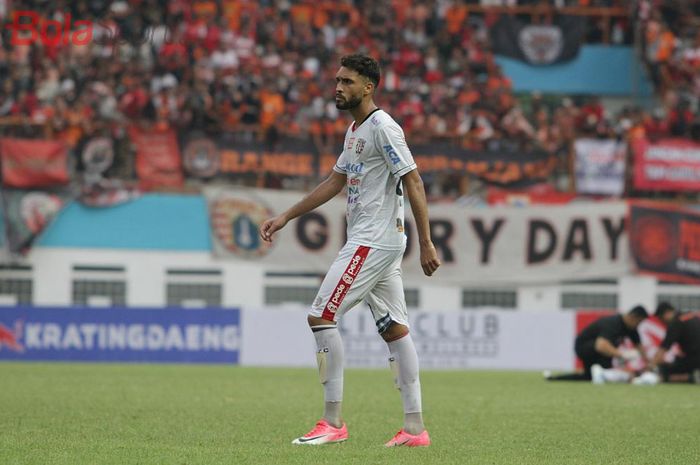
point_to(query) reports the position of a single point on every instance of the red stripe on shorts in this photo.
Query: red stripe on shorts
(346, 280)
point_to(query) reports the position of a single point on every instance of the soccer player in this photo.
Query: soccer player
(684, 330)
(377, 167)
(598, 343)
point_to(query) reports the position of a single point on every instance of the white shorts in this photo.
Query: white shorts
(363, 273)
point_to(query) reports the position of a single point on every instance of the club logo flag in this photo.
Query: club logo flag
(27, 214)
(665, 241)
(538, 44)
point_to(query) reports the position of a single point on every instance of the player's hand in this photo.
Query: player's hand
(629, 355)
(270, 226)
(429, 260)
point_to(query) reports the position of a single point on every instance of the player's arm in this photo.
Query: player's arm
(642, 353)
(672, 335)
(605, 347)
(413, 186)
(659, 357)
(325, 191)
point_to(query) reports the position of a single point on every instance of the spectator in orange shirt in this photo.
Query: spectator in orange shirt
(272, 106)
(455, 16)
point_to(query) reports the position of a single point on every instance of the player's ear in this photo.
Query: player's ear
(369, 87)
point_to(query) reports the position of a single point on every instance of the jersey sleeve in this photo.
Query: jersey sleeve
(391, 143)
(672, 334)
(339, 166)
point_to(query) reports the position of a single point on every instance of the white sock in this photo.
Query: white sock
(403, 351)
(613, 375)
(330, 365)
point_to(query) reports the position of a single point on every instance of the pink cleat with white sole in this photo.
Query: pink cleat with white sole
(402, 438)
(323, 433)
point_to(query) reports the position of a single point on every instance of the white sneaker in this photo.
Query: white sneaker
(647, 378)
(597, 374)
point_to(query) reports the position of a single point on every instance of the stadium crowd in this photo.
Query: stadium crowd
(265, 69)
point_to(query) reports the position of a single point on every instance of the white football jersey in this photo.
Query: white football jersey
(374, 158)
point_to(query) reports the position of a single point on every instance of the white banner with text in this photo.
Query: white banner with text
(477, 246)
(444, 340)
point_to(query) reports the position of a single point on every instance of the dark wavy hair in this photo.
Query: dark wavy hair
(662, 308)
(640, 312)
(364, 65)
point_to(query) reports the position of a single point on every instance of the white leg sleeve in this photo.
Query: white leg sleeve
(404, 353)
(330, 362)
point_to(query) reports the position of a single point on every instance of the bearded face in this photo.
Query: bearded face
(343, 103)
(349, 89)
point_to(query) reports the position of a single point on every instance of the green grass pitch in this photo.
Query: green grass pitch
(74, 414)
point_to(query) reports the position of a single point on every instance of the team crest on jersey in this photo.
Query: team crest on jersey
(350, 143)
(235, 224)
(360, 146)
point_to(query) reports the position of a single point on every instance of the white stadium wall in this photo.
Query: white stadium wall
(53, 272)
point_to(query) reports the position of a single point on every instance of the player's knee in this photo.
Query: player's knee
(318, 321)
(394, 332)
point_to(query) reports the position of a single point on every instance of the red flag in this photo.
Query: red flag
(158, 162)
(28, 163)
(667, 165)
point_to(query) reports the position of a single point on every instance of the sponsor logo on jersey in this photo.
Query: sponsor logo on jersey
(347, 278)
(339, 293)
(355, 264)
(354, 167)
(353, 190)
(360, 146)
(350, 142)
(399, 225)
(235, 223)
(374, 120)
(392, 154)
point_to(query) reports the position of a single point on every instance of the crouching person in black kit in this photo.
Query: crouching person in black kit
(599, 343)
(682, 329)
